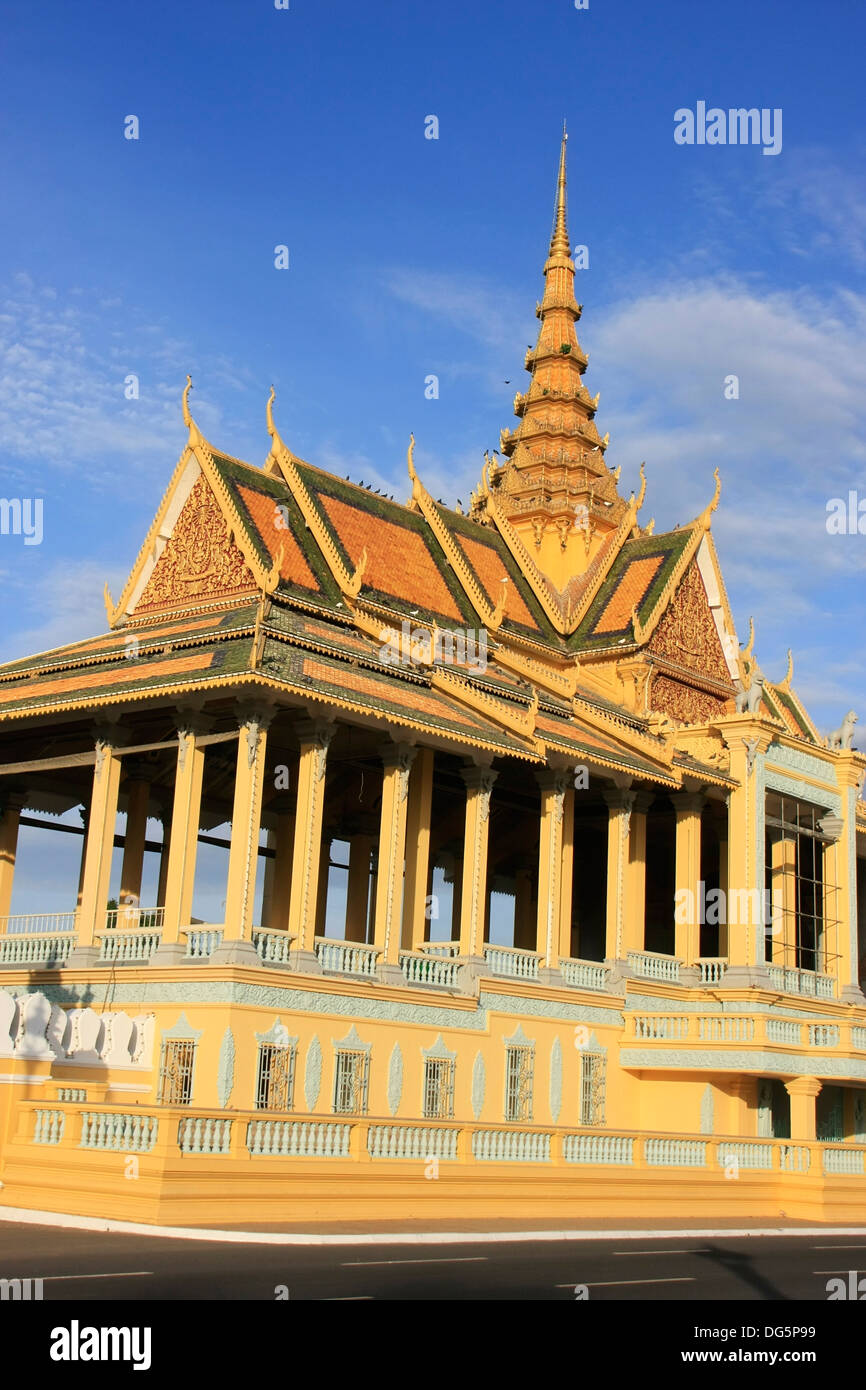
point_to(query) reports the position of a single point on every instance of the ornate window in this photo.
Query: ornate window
(519, 1070)
(275, 1077)
(351, 1073)
(175, 1071)
(439, 1088)
(592, 1083)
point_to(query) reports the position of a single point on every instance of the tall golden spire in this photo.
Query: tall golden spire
(559, 243)
(555, 487)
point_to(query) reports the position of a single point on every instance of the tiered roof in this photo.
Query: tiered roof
(288, 579)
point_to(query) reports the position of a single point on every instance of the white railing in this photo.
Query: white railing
(506, 960)
(272, 946)
(844, 1160)
(49, 1126)
(128, 945)
(676, 1153)
(584, 974)
(653, 966)
(204, 1134)
(36, 950)
(429, 970)
(201, 942)
(726, 1027)
(346, 957)
(810, 982)
(667, 1026)
(744, 1155)
(411, 1141)
(783, 1030)
(858, 1036)
(135, 919)
(598, 1148)
(119, 1132)
(794, 1158)
(298, 1139)
(823, 1035)
(712, 969)
(439, 948)
(511, 1146)
(30, 923)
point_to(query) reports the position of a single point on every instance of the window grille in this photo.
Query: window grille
(438, 1088)
(350, 1083)
(519, 1063)
(592, 1085)
(175, 1075)
(801, 899)
(275, 1077)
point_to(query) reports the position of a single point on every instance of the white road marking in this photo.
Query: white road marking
(615, 1283)
(662, 1251)
(454, 1260)
(127, 1274)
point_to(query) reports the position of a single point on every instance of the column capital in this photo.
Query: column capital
(397, 755)
(688, 803)
(642, 802)
(315, 733)
(478, 778)
(804, 1086)
(618, 799)
(553, 779)
(254, 712)
(189, 720)
(136, 770)
(12, 799)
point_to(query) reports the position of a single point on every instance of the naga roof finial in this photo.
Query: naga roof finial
(704, 518)
(410, 459)
(194, 432)
(642, 494)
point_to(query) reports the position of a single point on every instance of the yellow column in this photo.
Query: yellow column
(747, 741)
(358, 887)
(98, 850)
(567, 889)
(13, 804)
(688, 807)
(473, 898)
(315, 737)
(634, 924)
(804, 1092)
(554, 788)
(162, 884)
(244, 852)
(397, 760)
(723, 884)
(417, 848)
(783, 889)
(138, 798)
(841, 864)
(619, 809)
(84, 812)
(281, 879)
(182, 830)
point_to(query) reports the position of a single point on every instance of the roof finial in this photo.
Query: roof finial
(559, 243)
(269, 413)
(194, 432)
(706, 514)
(410, 459)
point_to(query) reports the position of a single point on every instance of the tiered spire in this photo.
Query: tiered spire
(555, 487)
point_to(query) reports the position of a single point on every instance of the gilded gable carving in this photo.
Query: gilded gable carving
(686, 632)
(684, 702)
(200, 559)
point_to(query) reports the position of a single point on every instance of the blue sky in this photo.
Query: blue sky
(411, 256)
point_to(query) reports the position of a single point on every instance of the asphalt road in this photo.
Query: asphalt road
(83, 1266)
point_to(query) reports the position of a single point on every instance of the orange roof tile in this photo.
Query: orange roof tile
(491, 571)
(263, 510)
(634, 583)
